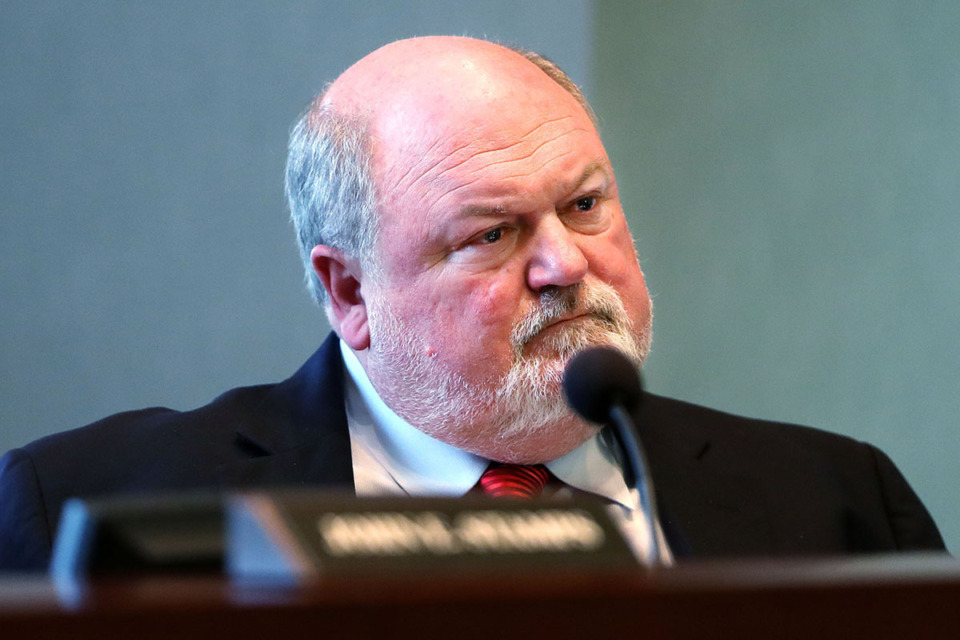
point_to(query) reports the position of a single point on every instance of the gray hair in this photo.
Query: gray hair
(329, 184)
(330, 191)
(559, 76)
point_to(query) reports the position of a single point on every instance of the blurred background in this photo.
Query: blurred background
(791, 171)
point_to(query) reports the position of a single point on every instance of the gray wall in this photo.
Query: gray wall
(793, 174)
(791, 169)
(145, 253)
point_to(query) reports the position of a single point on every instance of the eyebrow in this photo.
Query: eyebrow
(594, 167)
(479, 211)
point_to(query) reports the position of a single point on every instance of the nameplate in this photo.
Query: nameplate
(296, 536)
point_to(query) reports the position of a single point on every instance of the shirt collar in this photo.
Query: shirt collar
(423, 465)
(420, 464)
(593, 467)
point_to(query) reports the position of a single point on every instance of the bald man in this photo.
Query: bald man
(460, 224)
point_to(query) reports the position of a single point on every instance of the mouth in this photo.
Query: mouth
(554, 335)
(563, 321)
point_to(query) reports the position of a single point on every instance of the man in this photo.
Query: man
(459, 220)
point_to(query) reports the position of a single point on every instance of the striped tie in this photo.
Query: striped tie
(514, 480)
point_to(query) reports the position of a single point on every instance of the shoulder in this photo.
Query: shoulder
(136, 449)
(762, 447)
(161, 449)
(814, 490)
(705, 428)
(25, 530)
(144, 438)
(146, 449)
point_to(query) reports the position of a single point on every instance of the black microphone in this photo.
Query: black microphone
(597, 380)
(602, 385)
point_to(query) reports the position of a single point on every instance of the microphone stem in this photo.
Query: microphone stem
(642, 479)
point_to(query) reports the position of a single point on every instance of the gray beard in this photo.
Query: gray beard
(527, 403)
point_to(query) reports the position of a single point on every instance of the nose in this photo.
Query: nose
(557, 260)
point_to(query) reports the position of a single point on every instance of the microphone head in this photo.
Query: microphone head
(598, 379)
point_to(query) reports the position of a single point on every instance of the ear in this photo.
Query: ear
(341, 276)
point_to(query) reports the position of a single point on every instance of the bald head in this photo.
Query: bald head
(429, 73)
(388, 106)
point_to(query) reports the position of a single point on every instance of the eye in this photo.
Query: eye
(588, 214)
(487, 249)
(586, 203)
(491, 236)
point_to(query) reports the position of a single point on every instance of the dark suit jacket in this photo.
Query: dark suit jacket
(733, 486)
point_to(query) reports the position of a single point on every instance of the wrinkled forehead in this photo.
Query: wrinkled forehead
(426, 132)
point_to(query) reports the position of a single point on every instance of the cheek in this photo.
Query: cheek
(612, 257)
(615, 262)
(474, 320)
(492, 301)
(633, 288)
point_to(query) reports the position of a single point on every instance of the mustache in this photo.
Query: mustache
(599, 301)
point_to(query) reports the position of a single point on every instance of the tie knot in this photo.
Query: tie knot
(514, 480)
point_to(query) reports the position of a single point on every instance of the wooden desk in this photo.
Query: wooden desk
(892, 597)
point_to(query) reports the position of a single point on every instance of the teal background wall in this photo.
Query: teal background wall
(790, 170)
(145, 252)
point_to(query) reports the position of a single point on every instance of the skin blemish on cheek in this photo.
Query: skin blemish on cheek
(489, 299)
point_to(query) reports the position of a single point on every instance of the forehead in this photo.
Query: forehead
(511, 140)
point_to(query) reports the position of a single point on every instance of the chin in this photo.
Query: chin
(535, 444)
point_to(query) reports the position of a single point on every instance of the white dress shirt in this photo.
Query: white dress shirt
(391, 457)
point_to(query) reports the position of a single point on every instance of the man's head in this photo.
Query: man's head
(469, 237)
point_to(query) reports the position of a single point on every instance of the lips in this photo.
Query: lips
(564, 320)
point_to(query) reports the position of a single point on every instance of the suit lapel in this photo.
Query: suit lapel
(297, 435)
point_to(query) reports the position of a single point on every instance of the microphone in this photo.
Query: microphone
(598, 379)
(602, 385)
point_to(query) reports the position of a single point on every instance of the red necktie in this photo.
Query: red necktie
(514, 480)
